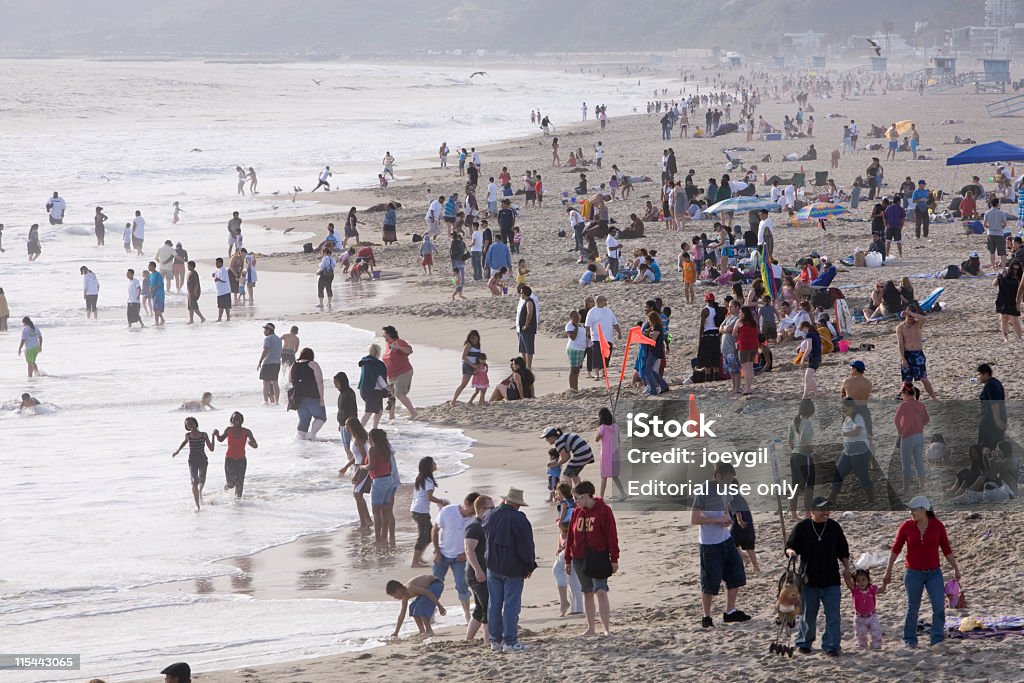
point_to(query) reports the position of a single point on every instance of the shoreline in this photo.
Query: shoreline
(655, 604)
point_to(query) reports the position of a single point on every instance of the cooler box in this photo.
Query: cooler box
(772, 136)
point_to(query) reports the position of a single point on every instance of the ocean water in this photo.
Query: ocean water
(93, 510)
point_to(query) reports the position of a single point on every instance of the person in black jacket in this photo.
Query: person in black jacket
(511, 559)
(821, 545)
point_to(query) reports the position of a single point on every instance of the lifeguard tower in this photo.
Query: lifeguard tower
(994, 77)
(944, 67)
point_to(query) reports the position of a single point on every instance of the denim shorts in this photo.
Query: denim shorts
(720, 562)
(382, 490)
(588, 584)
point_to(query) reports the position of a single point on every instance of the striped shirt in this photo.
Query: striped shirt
(580, 453)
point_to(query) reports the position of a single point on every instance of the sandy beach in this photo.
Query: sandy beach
(655, 596)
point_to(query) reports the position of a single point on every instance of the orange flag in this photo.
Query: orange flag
(606, 351)
(635, 335)
(694, 413)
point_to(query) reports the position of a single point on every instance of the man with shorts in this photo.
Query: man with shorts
(138, 232)
(194, 289)
(269, 365)
(909, 338)
(995, 227)
(234, 230)
(894, 215)
(223, 283)
(719, 559)
(396, 360)
(289, 347)
(449, 539)
(91, 290)
(134, 300)
(56, 208)
(526, 323)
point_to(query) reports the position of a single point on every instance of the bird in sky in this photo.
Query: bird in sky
(878, 49)
(478, 73)
(317, 82)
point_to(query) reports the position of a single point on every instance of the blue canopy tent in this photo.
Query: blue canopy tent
(986, 153)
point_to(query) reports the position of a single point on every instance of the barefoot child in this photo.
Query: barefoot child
(198, 442)
(422, 497)
(234, 460)
(554, 474)
(689, 276)
(495, 283)
(521, 272)
(865, 619)
(480, 380)
(457, 282)
(424, 591)
(427, 255)
(177, 213)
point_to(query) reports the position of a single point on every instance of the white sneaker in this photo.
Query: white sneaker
(495, 647)
(518, 647)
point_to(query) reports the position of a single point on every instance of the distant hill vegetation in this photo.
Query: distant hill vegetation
(331, 27)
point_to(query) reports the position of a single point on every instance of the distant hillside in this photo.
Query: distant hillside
(305, 27)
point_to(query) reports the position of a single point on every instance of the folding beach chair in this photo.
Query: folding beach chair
(820, 178)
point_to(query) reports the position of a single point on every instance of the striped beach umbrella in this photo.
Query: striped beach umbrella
(821, 211)
(741, 204)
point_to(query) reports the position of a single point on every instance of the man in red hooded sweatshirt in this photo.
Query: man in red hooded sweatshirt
(592, 552)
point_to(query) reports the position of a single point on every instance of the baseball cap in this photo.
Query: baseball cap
(921, 182)
(821, 503)
(858, 365)
(709, 296)
(269, 326)
(919, 502)
(549, 432)
(974, 254)
(178, 670)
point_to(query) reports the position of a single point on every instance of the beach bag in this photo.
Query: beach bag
(955, 597)
(859, 259)
(952, 272)
(416, 237)
(976, 227)
(307, 248)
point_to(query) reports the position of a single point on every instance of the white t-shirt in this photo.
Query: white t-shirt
(127, 234)
(536, 308)
(776, 193)
(138, 227)
(91, 284)
(604, 319)
(223, 284)
(575, 218)
(453, 530)
(30, 335)
(492, 192)
(57, 208)
(134, 291)
(613, 246)
(599, 152)
(325, 174)
(421, 498)
(434, 212)
(476, 158)
(580, 342)
(849, 424)
(476, 241)
(765, 225)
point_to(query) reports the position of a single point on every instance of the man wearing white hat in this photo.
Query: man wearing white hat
(511, 559)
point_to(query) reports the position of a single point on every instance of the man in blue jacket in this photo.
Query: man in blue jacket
(498, 255)
(511, 559)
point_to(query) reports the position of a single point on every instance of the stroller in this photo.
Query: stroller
(787, 606)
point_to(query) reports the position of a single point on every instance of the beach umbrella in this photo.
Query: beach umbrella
(821, 211)
(741, 204)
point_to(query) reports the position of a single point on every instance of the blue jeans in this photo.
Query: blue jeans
(912, 455)
(652, 378)
(309, 408)
(577, 233)
(506, 600)
(458, 573)
(916, 581)
(806, 624)
(476, 258)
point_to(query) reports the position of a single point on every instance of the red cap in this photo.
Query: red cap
(710, 296)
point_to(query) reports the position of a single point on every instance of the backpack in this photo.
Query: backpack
(952, 272)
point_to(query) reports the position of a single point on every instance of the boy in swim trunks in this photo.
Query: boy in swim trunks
(424, 591)
(911, 347)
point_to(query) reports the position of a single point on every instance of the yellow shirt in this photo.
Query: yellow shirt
(689, 272)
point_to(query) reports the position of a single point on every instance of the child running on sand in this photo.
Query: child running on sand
(425, 592)
(198, 442)
(458, 282)
(865, 619)
(234, 461)
(480, 380)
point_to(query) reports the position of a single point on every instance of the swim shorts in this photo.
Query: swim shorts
(916, 366)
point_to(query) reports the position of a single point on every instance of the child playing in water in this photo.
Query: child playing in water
(5, 311)
(198, 442)
(234, 460)
(176, 211)
(521, 272)
(458, 282)
(127, 236)
(480, 380)
(427, 255)
(205, 403)
(865, 619)
(425, 592)
(554, 473)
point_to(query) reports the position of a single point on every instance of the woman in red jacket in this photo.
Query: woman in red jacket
(923, 535)
(592, 552)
